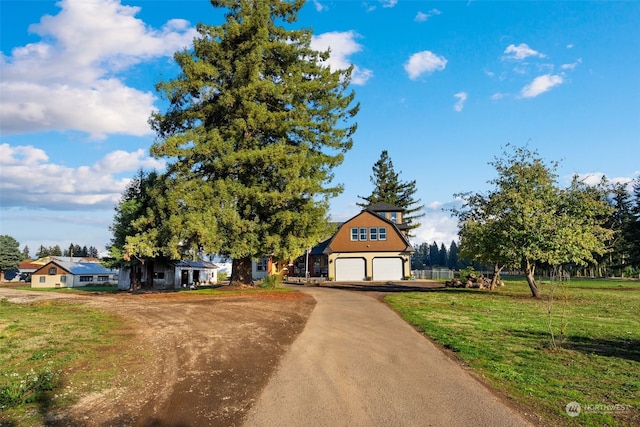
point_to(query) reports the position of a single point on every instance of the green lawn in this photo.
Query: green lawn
(42, 348)
(504, 336)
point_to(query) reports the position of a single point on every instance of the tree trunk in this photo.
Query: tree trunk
(530, 270)
(241, 274)
(496, 276)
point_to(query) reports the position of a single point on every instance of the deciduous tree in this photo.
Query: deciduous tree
(527, 220)
(255, 125)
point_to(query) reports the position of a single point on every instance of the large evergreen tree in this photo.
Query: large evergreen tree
(620, 222)
(388, 188)
(10, 255)
(632, 231)
(452, 259)
(255, 125)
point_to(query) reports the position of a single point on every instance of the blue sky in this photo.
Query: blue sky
(443, 86)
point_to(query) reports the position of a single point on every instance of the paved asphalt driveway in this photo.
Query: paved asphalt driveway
(357, 363)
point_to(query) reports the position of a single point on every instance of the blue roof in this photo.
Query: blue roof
(85, 268)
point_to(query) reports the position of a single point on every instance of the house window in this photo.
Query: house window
(43, 279)
(158, 275)
(394, 217)
(261, 265)
(86, 278)
(354, 234)
(373, 233)
(63, 279)
(103, 278)
(382, 214)
(363, 234)
(53, 271)
(382, 233)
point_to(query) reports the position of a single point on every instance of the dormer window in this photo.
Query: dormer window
(394, 217)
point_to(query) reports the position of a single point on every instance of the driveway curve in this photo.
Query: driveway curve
(357, 363)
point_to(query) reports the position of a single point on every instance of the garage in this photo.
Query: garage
(350, 269)
(387, 269)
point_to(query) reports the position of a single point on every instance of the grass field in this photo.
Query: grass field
(505, 337)
(45, 349)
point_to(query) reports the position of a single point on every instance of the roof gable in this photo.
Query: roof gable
(395, 240)
(75, 268)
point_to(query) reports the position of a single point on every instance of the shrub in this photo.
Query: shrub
(465, 273)
(270, 282)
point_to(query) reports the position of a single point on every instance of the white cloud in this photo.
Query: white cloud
(595, 178)
(389, 3)
(30, 180)
(342, 46)
(541, 85)
(570, 46)
(424, 62)
(68, 80)
(423, 17)
(437, 225)
(319, 6)
(571, 66)
(520, 52)
(498, 95)
(462, 98)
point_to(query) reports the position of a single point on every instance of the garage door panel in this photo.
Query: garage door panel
(387, 268)
(350, 269)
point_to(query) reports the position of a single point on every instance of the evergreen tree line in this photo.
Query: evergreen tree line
(73, 250)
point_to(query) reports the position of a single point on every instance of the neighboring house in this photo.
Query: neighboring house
(27, 268)
(370, 246)
(169, 275)
(264, 267)
(67, 274)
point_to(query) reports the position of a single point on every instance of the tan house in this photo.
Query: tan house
(370, 246)
(68, 274)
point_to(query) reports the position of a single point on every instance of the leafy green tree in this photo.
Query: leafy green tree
(388, 188)
(55, 250)
(134, 215)
(255, 125)
(10, 255)
(527, 220)
(481, 234)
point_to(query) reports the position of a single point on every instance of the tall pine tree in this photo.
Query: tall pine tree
(255, 125)
(632, 231)
(388, 188)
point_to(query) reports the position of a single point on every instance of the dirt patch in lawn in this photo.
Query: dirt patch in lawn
(186, 359)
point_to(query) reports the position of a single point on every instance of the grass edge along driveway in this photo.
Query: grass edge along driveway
(504, 337)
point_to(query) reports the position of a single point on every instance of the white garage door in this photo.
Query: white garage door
(387, 269)
(350, 269)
